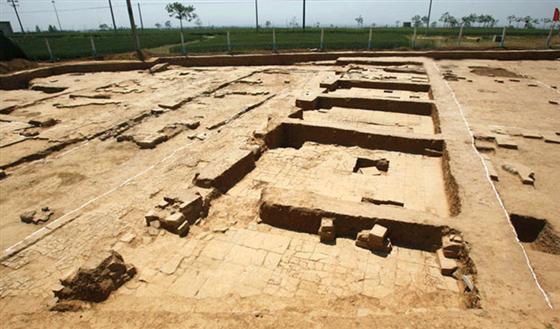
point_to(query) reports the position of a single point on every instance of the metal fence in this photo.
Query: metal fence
(67, 45)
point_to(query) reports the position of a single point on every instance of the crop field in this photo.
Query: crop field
(68, 45)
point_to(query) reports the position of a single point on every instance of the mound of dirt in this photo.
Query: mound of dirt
(16, 65)
(493, 72)
(94, 281)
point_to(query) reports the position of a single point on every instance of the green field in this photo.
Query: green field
(68, 45)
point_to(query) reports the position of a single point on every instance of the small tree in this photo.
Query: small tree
(181, 12)
(167, 24)
(198, 23)
(416, 20)
(37, 29)
(445, 18)
(511, 19)
(267, 24)
(359, 20)
(158, 25)
(424, 20)
(52, 28)
(104, 27)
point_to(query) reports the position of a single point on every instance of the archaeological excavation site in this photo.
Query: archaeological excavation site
(379, 189)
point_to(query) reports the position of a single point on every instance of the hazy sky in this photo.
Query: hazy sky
(88, 14)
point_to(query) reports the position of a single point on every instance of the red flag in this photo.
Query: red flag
(556, 17)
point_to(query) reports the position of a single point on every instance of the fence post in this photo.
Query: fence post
(414, 39)
(460, 34)
(503, 41)
(93, 50)
(321, 45)
(369, 39)
(183, 48)
(273, 40)
(49, 49)
(549, 37)
(228, 43)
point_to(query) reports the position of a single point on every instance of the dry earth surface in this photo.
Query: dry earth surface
(251, 163)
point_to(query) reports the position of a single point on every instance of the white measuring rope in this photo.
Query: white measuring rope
(496, 191)
(125, 182)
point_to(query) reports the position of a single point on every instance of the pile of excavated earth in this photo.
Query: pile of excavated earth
(387, 192)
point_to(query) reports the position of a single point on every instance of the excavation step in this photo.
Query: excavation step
(226, 172)
(303, 211)
(293, 133)
(314, 101)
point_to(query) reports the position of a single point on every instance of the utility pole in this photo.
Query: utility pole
(429, 15)
(133, 28)
(303, 25)
(112, 15)
(140, 14)
(15, 3)
(56, 13)
(257, 15)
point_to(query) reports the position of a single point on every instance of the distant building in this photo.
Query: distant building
(406, 24)
(6, 28)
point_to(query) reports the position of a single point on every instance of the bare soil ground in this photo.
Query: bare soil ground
(271, 151)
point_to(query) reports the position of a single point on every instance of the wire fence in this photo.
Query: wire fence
(69, 45)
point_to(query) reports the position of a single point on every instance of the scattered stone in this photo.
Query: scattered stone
(157, 111)
(150, 217)
(2, 174)
(551, 138)
(95, 281)
(499, 81)
(326, 230)
(382, 164)
(191, 205)
(451, 249)
(447, 266)
(159, 68)
(377, 236)
(532, 134)
(533, 85)
(553, 102)
(375, 239)
(36, 217)
(173, 221)
(525, 173)
(162, 204)
(506, 142)
(514, 80)
(362, 239)
(27, 217)
(151, 141)
(491, 170)
(49, 122)
(484, 146)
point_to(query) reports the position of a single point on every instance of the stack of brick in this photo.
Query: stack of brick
(375, 239)
(326, 230)
(176, 214)
(452, 248)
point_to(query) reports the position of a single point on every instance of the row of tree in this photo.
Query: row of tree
(483, 20)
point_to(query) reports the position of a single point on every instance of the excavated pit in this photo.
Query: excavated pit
(538, 233)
